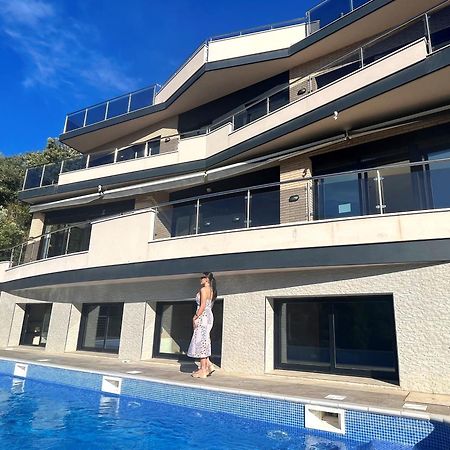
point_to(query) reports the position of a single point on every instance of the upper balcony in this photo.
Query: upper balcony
(238, 61)
(389, 204)
(373, 62)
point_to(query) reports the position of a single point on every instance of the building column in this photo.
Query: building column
(16, 326)
(296, 196)
(59, 327)
(136, 337)
(243, 338)
(74, 328)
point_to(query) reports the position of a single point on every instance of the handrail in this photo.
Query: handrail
(422, 163)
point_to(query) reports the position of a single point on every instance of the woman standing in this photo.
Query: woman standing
(203, 320)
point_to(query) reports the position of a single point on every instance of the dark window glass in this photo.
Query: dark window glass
(265, 207)
(35, 325)
(357, 3)
(278, 100)
(57, 243)
(338, 196)
(154, 147)
(394, 41)
(133, 152)
(222, 213)
(79, 238)
(96, 114)
(353, 335)
(439, 174)
(33, 177)
(173, 332)
(101, 325)
(336, 70)
(183, 219)
(118, 106)
(250, 114)
(100, 159)
(439, 22)
(75, 120)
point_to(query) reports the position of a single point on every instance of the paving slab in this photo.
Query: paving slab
(355, 391)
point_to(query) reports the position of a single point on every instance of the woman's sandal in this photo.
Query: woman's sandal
(199, 374)
(211, 369)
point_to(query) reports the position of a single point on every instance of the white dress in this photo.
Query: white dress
(200, 346)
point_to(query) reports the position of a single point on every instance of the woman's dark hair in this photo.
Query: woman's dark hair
(212, 282)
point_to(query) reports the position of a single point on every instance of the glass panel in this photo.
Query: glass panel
(75, 120)
(101, 327)
(222, 213)
(96, 114)
(365, 335)
(358, 3)
(101, 159)
(304, 334)
(183, 217)
(51, 174)
(394, 41)
(336, 70)
(133, 152)
(142, 99)
(439, 173)
(329, 10)
(114, 326)
(118, 106)
(35, 325)
(338, 196)
(154, 147)
(276, 101)
(30, 251)
(79, 238)
(265, 207)
(439, 22)
(57, 242)
(399, 189)
(176, 327)
(74, 164)
(250, 114)
(33, 177)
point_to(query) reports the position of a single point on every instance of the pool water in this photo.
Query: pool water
(37, 415)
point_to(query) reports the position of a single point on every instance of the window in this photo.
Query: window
(35, 324)
(133, 152)
(345, 335)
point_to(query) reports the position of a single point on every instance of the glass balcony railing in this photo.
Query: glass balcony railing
(57, 243)
(395, 188)
(389, 189)
(328, 11)
(111, 108)
(48, 174)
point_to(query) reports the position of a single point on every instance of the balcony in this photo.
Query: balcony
(396, 50)
(340, 204)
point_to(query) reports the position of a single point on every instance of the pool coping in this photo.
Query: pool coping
(411, 414)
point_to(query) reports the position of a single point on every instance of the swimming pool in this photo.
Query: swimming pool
(40, 412)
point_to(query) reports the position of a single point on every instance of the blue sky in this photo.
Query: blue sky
(62, 55)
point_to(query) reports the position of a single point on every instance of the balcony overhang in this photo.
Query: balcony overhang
(414, 89)
(233, 74)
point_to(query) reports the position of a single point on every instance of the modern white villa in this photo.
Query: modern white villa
(306, 164)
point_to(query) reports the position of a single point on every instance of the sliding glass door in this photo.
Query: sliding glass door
(101, 324)
(35, 324)
(354, 335)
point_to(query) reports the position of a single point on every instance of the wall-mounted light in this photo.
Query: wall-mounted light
(167, 139)
(294, 198)
(301, 91)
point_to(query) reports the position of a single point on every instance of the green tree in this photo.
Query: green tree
(15, 217)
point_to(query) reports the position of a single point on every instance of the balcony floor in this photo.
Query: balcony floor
(308, 387)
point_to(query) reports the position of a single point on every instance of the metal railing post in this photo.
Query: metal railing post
(106, 110)
(42, 175)
(85, 117)
(248, 220)
(381, 204)
(65, 122)
(361, 55)
(20, 255)
(61, 167)
(25, 179)
(88, 159)
(427, 30)
(11, 258)
(267, 105)
(129, 102)
(67, 243)
(197, 216)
